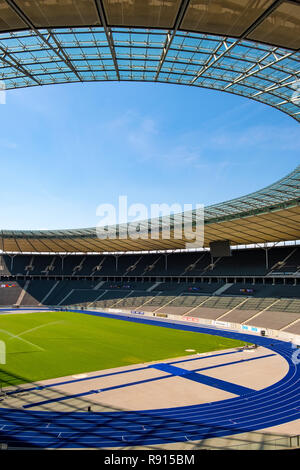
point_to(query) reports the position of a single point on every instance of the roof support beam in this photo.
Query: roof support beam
(260, 68)
(210, 63)
(12, 62)
(107, 29)
(62, 54)
(284, 82)
(170, 36)
(57, 50)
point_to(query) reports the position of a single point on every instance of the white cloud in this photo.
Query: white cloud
(210, 151)
(266, 136)
(144, 137)
(8, 144)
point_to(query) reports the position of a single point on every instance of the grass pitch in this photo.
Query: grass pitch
(46, 345)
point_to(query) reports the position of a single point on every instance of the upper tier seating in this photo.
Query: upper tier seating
(242, 263)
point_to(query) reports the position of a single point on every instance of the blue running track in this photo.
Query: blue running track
(251, 411)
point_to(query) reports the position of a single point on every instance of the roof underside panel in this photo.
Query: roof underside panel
(269, 215)
(238, 46)
(273, 227)
(274, 22)
(264, 73)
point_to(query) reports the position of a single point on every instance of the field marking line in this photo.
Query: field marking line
(37, 328)
(12, 336)
(21, 339)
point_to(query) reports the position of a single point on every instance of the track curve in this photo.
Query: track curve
(271, 406)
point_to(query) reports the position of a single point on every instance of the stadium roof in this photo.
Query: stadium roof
(269, 215)
(245, 47)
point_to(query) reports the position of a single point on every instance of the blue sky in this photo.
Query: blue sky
(65, 149)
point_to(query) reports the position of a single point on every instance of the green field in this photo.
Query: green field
(56, 344)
